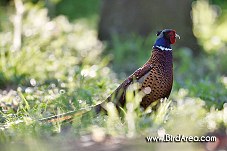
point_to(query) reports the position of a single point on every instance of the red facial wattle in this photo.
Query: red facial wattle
(172, 37)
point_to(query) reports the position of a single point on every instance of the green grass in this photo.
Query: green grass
(62, 66)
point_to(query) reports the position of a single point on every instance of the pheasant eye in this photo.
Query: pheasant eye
(170, 35)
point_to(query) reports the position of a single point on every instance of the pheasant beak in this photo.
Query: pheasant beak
(177, 36)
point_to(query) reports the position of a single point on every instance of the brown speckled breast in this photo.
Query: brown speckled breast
(160, 79)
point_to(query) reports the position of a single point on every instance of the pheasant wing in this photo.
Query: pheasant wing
(118, 96)
(139, 75)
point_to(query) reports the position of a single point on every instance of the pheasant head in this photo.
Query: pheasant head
(165, 38)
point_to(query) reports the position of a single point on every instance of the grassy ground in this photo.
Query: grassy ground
(61, 67)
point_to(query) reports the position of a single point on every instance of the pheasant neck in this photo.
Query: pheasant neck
(162, 44)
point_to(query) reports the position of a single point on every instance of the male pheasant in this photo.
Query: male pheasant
(155, 76)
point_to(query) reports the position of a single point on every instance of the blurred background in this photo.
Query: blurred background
(63, 55)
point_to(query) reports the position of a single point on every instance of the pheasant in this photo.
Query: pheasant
(155, 76)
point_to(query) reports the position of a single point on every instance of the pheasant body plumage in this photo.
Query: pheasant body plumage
(155, 76)
(160, 78)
